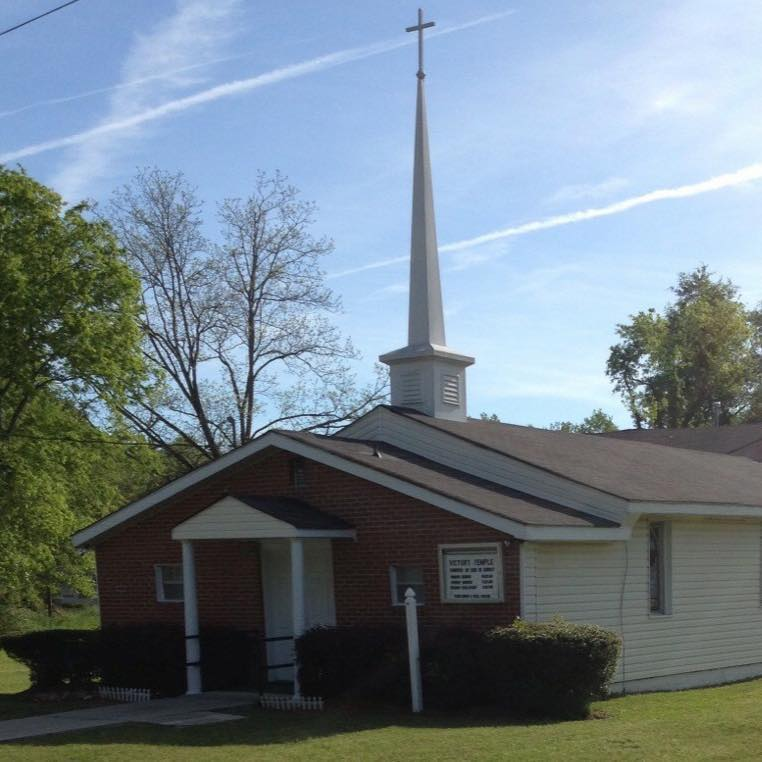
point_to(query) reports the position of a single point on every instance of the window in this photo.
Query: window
(169, 583)
(471, 573)
(658, 568)
(297, 473)
(403, 577)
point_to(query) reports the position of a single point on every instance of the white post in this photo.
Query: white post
(190, 604)
(297, 600)
(413, 650)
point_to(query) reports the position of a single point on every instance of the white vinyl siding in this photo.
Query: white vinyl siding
(715, 619)
(230, 519)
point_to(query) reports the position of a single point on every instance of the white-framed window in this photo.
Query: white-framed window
(169, 582)
(403, 577)
(471, 573)
(659, 568)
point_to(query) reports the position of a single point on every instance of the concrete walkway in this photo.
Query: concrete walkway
(183, 710)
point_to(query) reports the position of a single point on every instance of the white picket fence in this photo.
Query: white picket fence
(289, 703)
(130, 695)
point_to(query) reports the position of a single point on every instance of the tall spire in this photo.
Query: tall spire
(426, 374)
(426, 317)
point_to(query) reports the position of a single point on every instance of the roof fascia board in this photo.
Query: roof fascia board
(86, 535)
(717, 510)
(180, 533)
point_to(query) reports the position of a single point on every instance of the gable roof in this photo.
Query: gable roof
(634, 471)
(471, 490)
(652, 478)
(488, 503)
(742, 439)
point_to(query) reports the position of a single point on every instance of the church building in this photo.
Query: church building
(485, 521)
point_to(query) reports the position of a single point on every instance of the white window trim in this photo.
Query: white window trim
(467, 546)
(666, 570)
(393, 584)
(159, 582)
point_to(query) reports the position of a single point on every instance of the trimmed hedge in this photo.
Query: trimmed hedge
(365, 662)
(550, 669)
(56, 658)
(137, 656)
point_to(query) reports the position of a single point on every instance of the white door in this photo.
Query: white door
(276, 590)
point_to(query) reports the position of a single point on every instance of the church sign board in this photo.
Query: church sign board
(471, 573)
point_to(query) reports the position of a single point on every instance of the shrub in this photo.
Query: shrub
(368, 662)
(136, 656)
(144, 656)
(552, 668)
(153, 656)
(56, 658)
(454, 670)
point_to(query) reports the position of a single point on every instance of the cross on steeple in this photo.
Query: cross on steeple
(419, 27)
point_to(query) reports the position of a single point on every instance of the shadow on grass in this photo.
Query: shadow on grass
(17, 705)
(267, 728)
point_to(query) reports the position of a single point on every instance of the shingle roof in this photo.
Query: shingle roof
(744, 439)
(632, 470)
(501, 501)
(297, 513)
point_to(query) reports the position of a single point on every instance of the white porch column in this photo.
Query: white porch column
(297, 599)
(190, 604)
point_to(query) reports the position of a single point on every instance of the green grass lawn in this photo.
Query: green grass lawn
(714, 723)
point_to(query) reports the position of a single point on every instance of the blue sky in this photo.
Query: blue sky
(538, 113)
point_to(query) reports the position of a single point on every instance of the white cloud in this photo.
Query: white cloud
(739, 178)
(747, 174)
(588, 190)
(182, 39)
(197, 29)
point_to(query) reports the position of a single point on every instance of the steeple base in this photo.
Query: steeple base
(429, 379)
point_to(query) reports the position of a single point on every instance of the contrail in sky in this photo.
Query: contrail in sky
(121, 85)
(235, 87)
(720, 182)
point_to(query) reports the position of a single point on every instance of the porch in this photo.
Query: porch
(295, 543)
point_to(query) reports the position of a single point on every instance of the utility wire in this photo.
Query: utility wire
(95, 441)
(36, 18)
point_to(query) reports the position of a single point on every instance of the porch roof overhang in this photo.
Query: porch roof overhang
(249, 517)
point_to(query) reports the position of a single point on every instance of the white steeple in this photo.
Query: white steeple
(426, 375)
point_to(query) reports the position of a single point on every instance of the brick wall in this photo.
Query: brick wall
(391, 529)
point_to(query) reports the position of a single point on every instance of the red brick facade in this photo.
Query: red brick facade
(392, 529)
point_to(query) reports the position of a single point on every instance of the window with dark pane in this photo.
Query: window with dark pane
(169, 582)
(656, 568)
(297, 473)
(404, 577)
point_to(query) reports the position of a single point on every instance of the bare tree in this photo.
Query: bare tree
(238, 332)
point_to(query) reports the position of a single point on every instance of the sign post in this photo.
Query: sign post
(413, 650)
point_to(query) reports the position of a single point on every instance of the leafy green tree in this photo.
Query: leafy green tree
(69, 342)
(68, 303)
(597, 422)
(671, 367)
(491, 417)
(58, 473)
